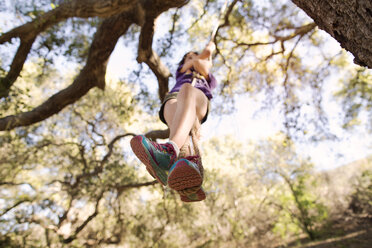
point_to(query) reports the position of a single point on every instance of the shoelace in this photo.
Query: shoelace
(164, 148)
(194, 159)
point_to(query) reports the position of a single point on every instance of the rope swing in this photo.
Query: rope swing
(217, 25)
(191, 146)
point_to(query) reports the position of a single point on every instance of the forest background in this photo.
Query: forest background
(291, 111)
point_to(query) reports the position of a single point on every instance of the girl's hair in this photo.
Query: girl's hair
(184, 57)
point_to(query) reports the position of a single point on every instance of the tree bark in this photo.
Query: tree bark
(349, 22)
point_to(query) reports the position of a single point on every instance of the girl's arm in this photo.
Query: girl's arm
(202, 66)
(203, 62)
(208, 51)
(187, 66)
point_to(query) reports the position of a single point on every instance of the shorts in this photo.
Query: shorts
(174, 96)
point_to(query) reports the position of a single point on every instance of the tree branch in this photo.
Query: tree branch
(86, 222)
(16, 184)
(288, 108)
(121, 188)
(93, 126)
(300, 31)
(205, 11)
(148, 56)
(15, 205)
(16, 67)
(97, 169)
(226, 21)
(145, 52)
(158, 134)
(76, 8)
(29, 31)
(93, 74)
(111, 146)
(62, 218)
(175, 18)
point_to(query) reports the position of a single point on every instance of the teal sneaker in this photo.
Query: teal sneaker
(158, 158)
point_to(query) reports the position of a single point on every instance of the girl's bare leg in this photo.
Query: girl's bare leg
(180, 113)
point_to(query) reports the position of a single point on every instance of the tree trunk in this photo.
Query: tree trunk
(349, 22)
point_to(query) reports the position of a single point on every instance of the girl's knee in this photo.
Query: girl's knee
(186, 91)
(186, 87)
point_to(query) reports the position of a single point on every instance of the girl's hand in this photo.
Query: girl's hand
(202, 66)
(211, 46)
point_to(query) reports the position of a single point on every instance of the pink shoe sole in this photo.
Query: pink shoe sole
(184, 175)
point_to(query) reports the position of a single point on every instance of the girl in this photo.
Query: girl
(188, 100)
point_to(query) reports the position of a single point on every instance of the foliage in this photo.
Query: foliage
(56, 177)
(72, 181)
(301, 209)
(298, 207)
(356, 95)
(361, 198)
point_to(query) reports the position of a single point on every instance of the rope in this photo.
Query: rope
(216, 26)
(189, 149)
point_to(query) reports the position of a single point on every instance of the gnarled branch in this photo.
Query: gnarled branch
(29, 31)
(93, 74)
(147, 55)
(145, 52)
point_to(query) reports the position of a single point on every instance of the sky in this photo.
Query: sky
(245, 125)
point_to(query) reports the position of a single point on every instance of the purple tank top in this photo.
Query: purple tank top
(200, 82)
